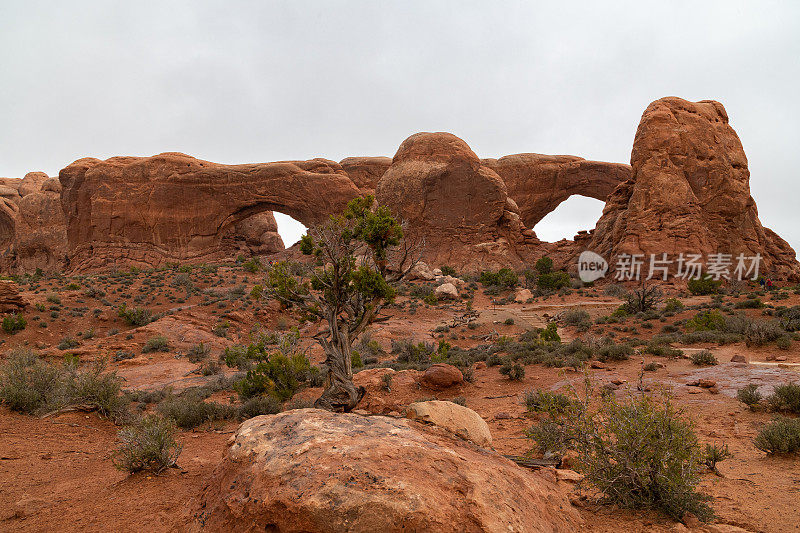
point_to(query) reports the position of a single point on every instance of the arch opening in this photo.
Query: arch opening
(289, 229)
(572, 215)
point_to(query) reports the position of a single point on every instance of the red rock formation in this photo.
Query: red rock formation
(366, 172)
(539, 183)
(32, 227)
(256, 235)
(443, 193)
(689, 192)
(147, 210)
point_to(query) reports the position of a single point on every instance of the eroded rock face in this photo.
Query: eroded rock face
(310, 470)
(689, 192)
(32, 225)
(10, 299)
(148, 210)
(441, 190)
(256, 235)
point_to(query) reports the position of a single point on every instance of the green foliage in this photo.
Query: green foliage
(550, 333)
(673, 305)
(159, 343)
(355, 360)
(197, 353)
(553, 280)
(544, 265)
(781, 436)
(715, 454)
(706, 321)
(252, 265)
(14, 323)
(306, 244)
(513, 371)
(749, 396)
(447, 270)
(750, 303)
(576, 317)
(67, 343)
(640, 453)
(704, 358)
(259, 405)
(505, 278)
(785, 398)
(149, 445)
(33, 386)
(256, 292)
(703, 286)
(189, 411)
(544, 401)
(761, 332)
(279, 376)
(136, 316)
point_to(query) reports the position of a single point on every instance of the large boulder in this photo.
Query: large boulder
(441, 376)
(308, 470)
(457, 419)
(257, 235)
(689, 192)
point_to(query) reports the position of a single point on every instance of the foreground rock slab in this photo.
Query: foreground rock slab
(455, 418)
(311, 470)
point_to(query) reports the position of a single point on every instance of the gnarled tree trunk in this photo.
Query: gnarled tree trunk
(340, 395)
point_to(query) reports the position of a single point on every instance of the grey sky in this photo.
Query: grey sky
(258, 81)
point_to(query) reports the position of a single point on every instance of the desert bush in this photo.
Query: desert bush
(447, 270)
(785, 398)
(509, 321)
(149, 445)
(197, 353)
(643, 299)
(550, 334)
(761, 332)
(159, 343)
(704, 358)
(615, 289)
(543, 265)
(405, 351)
(749, 396)
(14, 323)
(189, 411)
(505, 278)
(660, 349)
(259, 405)
(673, 305)
(640, 452)
(67, 343)
(710, 320)
(27, 382)
(703, 286)
(33, 386)
(714, 454)
(136, 316)
(280, 376)
(544, 401)
(784, 342)
(575, 317)
(553, 281)
(613, 352)
(252, 265)
(750, 303)
(781, 436)
(513, 371)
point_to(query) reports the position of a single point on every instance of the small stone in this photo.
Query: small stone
(570, 476)
(738, 358)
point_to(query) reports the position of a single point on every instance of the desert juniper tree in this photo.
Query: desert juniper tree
(360, 256)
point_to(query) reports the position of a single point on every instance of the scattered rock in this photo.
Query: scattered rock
(570, 476)
(455, 418)
(441, 376)
(446, 291)
(522, 296)
(738, 358)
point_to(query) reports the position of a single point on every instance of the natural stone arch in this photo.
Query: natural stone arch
(174, 207)
(538, 183)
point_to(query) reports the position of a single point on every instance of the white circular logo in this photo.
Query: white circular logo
(591, 266)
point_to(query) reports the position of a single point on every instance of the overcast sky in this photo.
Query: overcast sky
(236, 82)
